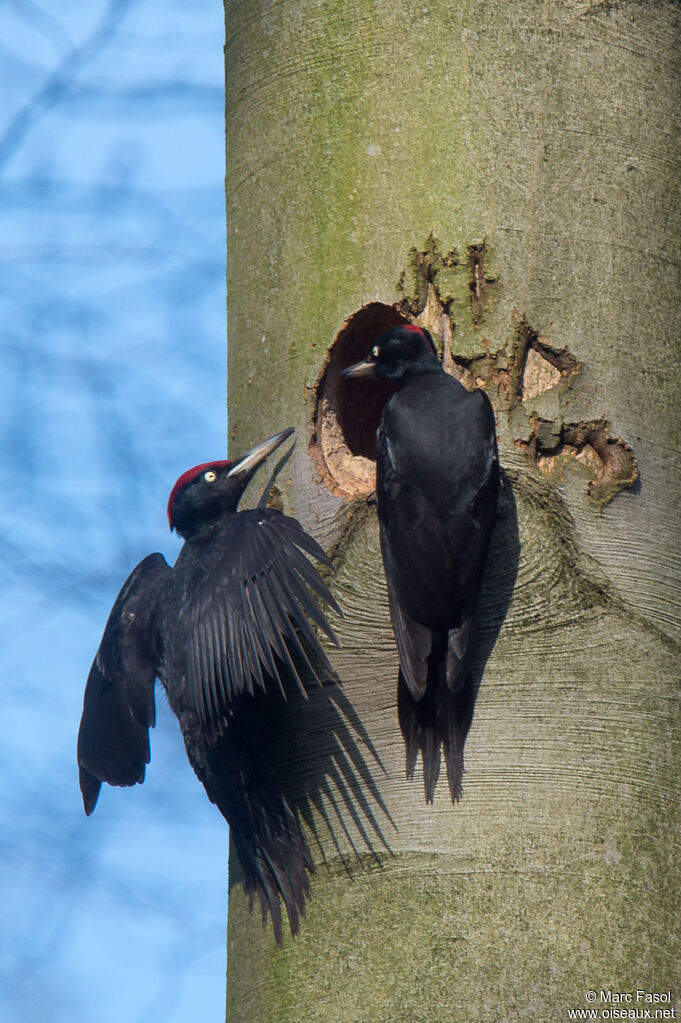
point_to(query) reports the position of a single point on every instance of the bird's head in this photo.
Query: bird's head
(205, 492)
(399, 352)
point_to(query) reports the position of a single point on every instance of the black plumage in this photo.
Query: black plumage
(227, 624)
(437, 479)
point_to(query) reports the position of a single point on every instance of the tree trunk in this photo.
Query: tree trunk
(505, 172)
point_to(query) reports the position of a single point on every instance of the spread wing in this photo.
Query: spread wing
(248, 619)
(436, 503)
(118, 707)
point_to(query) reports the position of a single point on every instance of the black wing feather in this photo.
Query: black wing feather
(295, 532)
(309, 575)
(260, 614)
(436, 504)
(118, 707)
(279, 621)
(252, 605)
(414, 643)
(295, 622)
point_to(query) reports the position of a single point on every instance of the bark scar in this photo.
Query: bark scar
(533, 385)
(481, 282)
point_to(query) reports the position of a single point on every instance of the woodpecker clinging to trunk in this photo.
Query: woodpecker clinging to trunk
(437, 479)
(221, 626)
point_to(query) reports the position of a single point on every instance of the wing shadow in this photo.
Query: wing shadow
(321, 759)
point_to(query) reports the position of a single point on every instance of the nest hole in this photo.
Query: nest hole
(347, 412)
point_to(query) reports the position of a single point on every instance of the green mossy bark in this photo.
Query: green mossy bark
(551, 130)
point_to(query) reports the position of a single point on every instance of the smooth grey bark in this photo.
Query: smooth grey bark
(547, 136)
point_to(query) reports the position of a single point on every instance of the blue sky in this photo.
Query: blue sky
(112, 321)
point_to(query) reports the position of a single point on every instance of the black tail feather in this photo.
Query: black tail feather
(275, 861)
(266, 831)
(436, 723)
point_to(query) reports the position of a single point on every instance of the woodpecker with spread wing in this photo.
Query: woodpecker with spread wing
(437, 478)
(225, 625)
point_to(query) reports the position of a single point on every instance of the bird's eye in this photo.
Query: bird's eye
(375, 351)
(210, 476)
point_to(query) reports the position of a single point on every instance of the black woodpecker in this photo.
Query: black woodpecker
(222, 628)
(437, 477)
